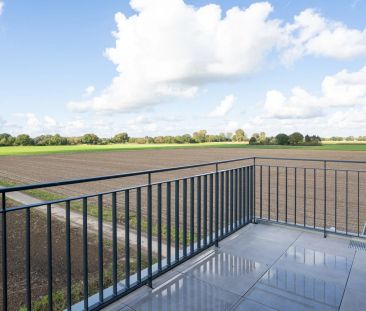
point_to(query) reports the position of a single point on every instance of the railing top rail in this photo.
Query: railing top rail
(312, 160)
(122, 175)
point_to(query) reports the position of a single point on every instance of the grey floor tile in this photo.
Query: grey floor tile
(357, 277)
(287, 300)
(316, 264)
(353, 300)
(230, 272)
(251, 305)
(187, 293)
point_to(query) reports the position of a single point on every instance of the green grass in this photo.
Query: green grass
(37, 150)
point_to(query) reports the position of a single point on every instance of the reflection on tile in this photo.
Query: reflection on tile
(230, 272)
(187, 293)
(301, 286)
(353, 300)
(250, 305)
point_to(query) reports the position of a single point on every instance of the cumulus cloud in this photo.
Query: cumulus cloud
(169, 49)
(224, 107)
(142, 124)
(313, 34)
(89, 90)
(1, 7)
(344, 89)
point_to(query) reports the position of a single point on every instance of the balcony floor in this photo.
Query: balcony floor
(262, 267)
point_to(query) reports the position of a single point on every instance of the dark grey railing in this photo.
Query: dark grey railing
(131, 235)
(176, 218)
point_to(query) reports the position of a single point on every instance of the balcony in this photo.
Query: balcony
(251, 233)
(262, 267)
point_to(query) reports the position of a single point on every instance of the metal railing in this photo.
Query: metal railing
(131, 235)
(134, 234)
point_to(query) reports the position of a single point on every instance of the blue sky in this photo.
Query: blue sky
(276, 66)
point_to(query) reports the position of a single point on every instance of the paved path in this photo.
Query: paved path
(58, 213)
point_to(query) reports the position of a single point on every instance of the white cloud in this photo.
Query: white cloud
(89, 90)
(1, 7)
(224, 107)
(169, 49)
(344, 89)
(142, 124)
(312, 34)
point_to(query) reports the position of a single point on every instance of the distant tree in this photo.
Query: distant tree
(200, 136)
(252, 140)
(187, 138)
(240, 136)
(24, 140)
(350, 138)
(90, 139)
(120, 138)
(296, 138)
(6, 139)
(57, 140)
(282, 139)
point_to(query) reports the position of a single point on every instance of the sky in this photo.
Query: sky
(169, 67)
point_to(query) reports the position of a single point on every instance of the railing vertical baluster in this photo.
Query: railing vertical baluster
(184, 217)
(261, 192)
(211, 208)
(85, 254)
(304, 197)
(159, 227)
(277, 192)
(358, 203)
(176, 197)
(191, 225)
(251, 193)
(232, 187)
(4, 251)
(68, 257)
(168, 223)
(149, 231)
(222, 200)
(254, 189)
(28, 260)
(347, 202)
(236, 198)
(335, 199)
(205, 210)
(295, 195)
(240, 176)
(127, 239)
(100, 248)
(325, 198)
(138, 229)
(198, 212)
(227, 200)
(269, 192)
(49, 258)
(247, 201)
(314, 213)
(217, 208)
(114, 242)
(286, 194)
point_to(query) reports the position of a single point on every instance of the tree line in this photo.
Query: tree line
(200, 136)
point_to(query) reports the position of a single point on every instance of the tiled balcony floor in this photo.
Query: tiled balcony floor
(262, 267)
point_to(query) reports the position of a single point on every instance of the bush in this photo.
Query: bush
(90, 139)
(252, 141)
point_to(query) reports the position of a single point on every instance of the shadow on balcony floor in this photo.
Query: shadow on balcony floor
(262, 267)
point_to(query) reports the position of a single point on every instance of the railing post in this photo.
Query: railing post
(325, 198)
(4, 253)
(149, 230)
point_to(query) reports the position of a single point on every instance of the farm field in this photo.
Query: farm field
(38, 150)
(55, 167)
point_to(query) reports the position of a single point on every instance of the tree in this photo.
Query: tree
(296, 138)
(282, 139)
(6, 139)
(24, 140)
(90, 139)
(240, 136)
(120, 138)
(200, 136)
